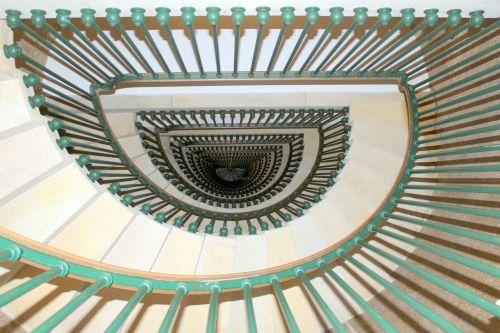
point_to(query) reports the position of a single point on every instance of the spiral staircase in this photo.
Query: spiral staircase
(243, 170)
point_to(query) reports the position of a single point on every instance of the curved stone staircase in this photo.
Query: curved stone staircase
(420, 176)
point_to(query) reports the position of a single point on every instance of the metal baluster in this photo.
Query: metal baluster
(138, 19)
(285, 308)
(312, 16)
(213, 16)
(59, 316)
(64, 20)
(212, 311)
(188, 18)
(88, 20)
(320, 302)
(384, 324)
(287, 17)
(252, 324)
(336, 18)
(172, 308)
(409, 300)
(113, 18)
(383, 19)
(263, 18)
(448, 286)
(120, 319)
(238, 16)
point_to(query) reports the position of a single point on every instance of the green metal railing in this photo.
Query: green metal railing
(450, 139)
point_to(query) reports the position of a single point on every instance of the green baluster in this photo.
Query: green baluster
(467, 115)
(457, 46)
(212, 310)
(467, 189)
(287, 17)
(488, 269)
(38, 100)
(252, 324)
(360, 18)
(454, 19)
(483, 168)
(163, 18)
(63, 19)
(431, 18)
(285, 308)
(336, 18)
(332, 319)
(448, 286)
(466, 98)
(14, 51)
(120, 319)
(138, 19)
(312, 16)
(188, 18)
(459, 151)
(213, 16)
(462, 232)
(407, 19)
(59, 316)
(263, 18)
(384, 324)
(113, 19)
(462, 134)
(412, 302)
(453, 208)
(57, 124)
(491, 70)
(238, 16)
(383, 19)
(181, 291)
(32, 80)
(9, 296)
(38, 19)
(88, 20)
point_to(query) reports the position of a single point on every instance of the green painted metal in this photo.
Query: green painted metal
(252, 324)
(488, 269)
(213, 309)
(462, 232)
(448, 286)
(120, 319)
(377, 317)
(412, 302)
(59, 316)
(332, 319)
(287, 17)
(285, 308)
(173, 308)
(9, 296)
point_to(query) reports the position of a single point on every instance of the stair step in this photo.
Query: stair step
(12, 103)
(388, 109)
(180, 253)
(41, 210)
(92, 233)
(217, 255)
(139, 245)
(21, 158)
(386, 138)
(122, 123)
(340, 212)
